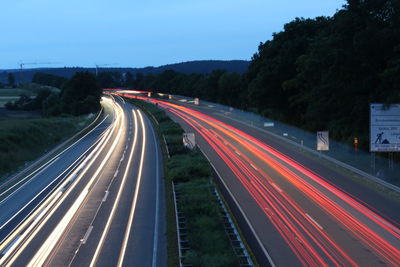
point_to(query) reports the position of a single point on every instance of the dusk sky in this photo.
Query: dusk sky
(143, 33)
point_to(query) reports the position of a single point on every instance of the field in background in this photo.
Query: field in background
(13, 94)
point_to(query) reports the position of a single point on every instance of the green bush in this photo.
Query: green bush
(187, 167)
(208, 241)
(170, 127)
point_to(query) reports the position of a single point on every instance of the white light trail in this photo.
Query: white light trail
(42, 255)
(33, 228)
(133, 208)
(116, 202)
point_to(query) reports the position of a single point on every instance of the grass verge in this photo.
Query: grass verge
(24, 140)
(191, 174)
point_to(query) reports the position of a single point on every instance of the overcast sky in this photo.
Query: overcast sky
(143, 33)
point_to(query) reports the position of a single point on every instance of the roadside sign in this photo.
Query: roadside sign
(196, 101)
(148, 94)
(268, 124)
(323, 141)
(189, 140)
(384, 128)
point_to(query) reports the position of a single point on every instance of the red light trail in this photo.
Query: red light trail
(312, 244)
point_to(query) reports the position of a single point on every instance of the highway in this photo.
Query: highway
(298, 211)
(97, 203)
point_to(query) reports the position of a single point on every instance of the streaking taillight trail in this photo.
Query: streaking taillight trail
(308, 240)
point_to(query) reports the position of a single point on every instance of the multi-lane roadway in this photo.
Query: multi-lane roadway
(297, 210)
(97, 203)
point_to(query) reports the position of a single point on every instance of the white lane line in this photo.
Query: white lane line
(314, 221)
(38, 194)
(10, 245)
(116, 202)
(40, 170)
(116, 173)
(52, 240)
(261, 245)
(277, 187)
(43, 168)
(156, 220)
(132, 213)
(47, 202)
(254, 167)
(237, 152)
(55, 158)
(52, 160)
(86, 236)
(105, 196)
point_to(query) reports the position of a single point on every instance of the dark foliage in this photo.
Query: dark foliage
(323, 73)
(319, 74)
(49, 79)
(200, 66)
(81, 94)
(11, 79)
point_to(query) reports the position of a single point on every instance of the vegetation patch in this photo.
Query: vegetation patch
(24, 140)
(191, 174)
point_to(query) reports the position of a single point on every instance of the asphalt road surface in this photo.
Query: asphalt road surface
(98, 203)
(299, 211)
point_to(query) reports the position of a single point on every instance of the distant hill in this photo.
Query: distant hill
(202, 66)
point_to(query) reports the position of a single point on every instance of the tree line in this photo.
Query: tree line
(76, 96)
(318, 74)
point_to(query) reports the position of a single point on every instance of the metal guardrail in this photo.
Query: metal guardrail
(369, 165)
(31, 166)
(329, 158)
(181, 230)
(234, 237)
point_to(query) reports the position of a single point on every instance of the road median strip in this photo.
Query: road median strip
(189, 175)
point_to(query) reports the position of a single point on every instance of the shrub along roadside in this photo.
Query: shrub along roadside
(191, 173)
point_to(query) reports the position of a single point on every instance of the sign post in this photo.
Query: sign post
(323, 141)
(384, 128)
(384, 131)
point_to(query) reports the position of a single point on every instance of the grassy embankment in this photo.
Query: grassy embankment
(26, 139)
(191, 173)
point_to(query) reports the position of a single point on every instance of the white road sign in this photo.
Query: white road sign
(384, 128)
(189, 140)
(322, 141)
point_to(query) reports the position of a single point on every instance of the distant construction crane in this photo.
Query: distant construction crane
(22, 64)
(102, 65)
